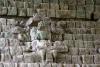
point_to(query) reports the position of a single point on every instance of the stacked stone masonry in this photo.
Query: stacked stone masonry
(77, 41)
(53, 8)
(80, 39)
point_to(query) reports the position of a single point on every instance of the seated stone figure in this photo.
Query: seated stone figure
(33, 33)
(41, 48)
(44, 29)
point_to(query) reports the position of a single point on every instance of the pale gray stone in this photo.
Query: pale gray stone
(80, 2)
(28, 58)
(45, 5)
(54, 64)
(37, 1)
(29, 21)
(3, 42)
(88, 37)
(61, 24)
(70, 43)
(17, 29)
(54, 6)
(34, 45)
(37, 57)
(87, 59)
(7, 34)
(11, 22)
(90, 2)
(45, 1)
(54, 1)
(51, 13)
(42, 35)
(97, 59)
(73, 51)
(45, 65)
(23, 36)
(16, 50)
(59, 30)
(80, 14)
(30, 12)
(12, 11)
(65, 42)
(79, 43)
(30, 64)
(6, 28)
(18, 58)
(68, 37)
(88, 44)
(68, 59)
(77, 65)
(33, 33)
(9, 64)
(72, 7)
(71, 24)
(19, 4)
(72, 2)
(68, 65)
(92, 51)
(28, 44)
(6, 57)
(76, 59)
(42, 12)
(59, 65)
(1, 3)
(3, 21)
(49, 57)
(83, 51)
(1, 64)
(22, 12)
(89, 10)
(23, 65)
(36, 64)
(14, 42)
(3, 11)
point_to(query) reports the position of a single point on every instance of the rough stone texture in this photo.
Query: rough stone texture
(68, 38)
(12, 11)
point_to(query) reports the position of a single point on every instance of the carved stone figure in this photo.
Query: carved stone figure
(33, 33)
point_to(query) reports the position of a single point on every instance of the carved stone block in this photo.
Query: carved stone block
(88, 59)
(12, 11)
(21, 12)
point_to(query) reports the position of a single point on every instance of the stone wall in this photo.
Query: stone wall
(74, 28)
(52, 8)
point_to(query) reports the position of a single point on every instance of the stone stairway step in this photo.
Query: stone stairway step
(47, 65)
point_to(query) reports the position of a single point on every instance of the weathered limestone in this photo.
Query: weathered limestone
(12, 11)
(65, 14)
(69, 38)
(22, 12)
(96, 59)
(3, 11)
(87, 59)
(33, 33)
(76, 59)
